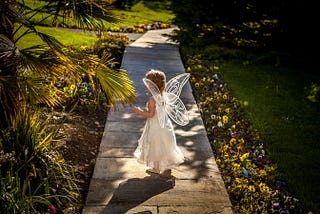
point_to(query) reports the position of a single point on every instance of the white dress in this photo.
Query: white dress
(157, 146)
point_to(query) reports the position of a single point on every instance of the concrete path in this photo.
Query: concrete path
(120, 184)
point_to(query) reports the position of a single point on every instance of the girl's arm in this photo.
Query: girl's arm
(150, 110)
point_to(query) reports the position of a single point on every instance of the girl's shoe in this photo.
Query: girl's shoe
(155, 171)
(166, 173)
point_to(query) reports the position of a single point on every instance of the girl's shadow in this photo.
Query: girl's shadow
(135, 191)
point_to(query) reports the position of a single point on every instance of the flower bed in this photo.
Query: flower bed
(141, 28)
(249, 175)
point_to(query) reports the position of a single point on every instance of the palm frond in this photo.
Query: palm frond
(116, 84)
(37, 59)
(13, 14)
(52, 42)
(8, 52)
(89, 14)
(38, 90)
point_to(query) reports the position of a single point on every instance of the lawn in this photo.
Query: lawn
(275, 100)
(144, 12)
(65, 37)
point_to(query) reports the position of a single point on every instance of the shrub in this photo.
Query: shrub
(33, 174)
(114, 44)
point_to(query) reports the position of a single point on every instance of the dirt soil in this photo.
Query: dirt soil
(80, 135)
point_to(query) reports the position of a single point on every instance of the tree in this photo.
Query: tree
(26, 74)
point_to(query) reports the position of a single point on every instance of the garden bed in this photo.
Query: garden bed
(80, 135)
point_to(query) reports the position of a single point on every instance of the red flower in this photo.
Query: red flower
(52, 209)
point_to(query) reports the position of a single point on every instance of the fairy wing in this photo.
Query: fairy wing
(170, 104)
(173, 104)
(160, 102)
(176, 84)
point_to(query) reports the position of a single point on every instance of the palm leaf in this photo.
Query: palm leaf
(10, 12)
(115, 83)
(38, 90)
(88, 14)
(37, 59)
(8, 52)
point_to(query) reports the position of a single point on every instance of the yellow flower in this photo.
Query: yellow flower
(236, 166)
(225, 96)
(225, 119)
(263, 173)
(225, 148)
(238, 180)
(233, 141)
(227, 110)
(241, 141)
(252, 188)
(244, 156)
(83, 47)
(264, 188)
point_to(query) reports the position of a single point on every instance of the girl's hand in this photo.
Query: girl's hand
(136, 110)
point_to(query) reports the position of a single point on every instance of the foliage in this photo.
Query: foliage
(113, 44)
(313, 92)
(29, 71)
(99, 73)
(142, 16)
(33, 174)
(256, 25)
(139, 28)
(34, 177)
(249, 173)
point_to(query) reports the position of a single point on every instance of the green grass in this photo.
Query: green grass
(275, 101)
(142, 13)
(145, 12)
(64, 36)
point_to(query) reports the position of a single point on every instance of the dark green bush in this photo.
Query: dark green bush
(33, 175)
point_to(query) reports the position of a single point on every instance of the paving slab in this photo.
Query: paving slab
(121, 185)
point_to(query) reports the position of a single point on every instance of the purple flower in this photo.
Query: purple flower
(280, 184)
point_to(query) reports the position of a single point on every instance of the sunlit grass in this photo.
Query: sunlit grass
(63, 36)
(144, 12)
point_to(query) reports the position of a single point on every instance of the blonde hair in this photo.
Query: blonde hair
(157, 77)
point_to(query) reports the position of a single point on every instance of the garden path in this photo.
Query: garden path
(119, 184)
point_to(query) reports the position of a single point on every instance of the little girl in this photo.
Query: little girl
(157, 146)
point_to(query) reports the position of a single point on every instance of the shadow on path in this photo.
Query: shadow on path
(135, 191)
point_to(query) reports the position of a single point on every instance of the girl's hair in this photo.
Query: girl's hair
(158, 78)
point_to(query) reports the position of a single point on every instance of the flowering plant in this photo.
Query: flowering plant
(253, 184)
